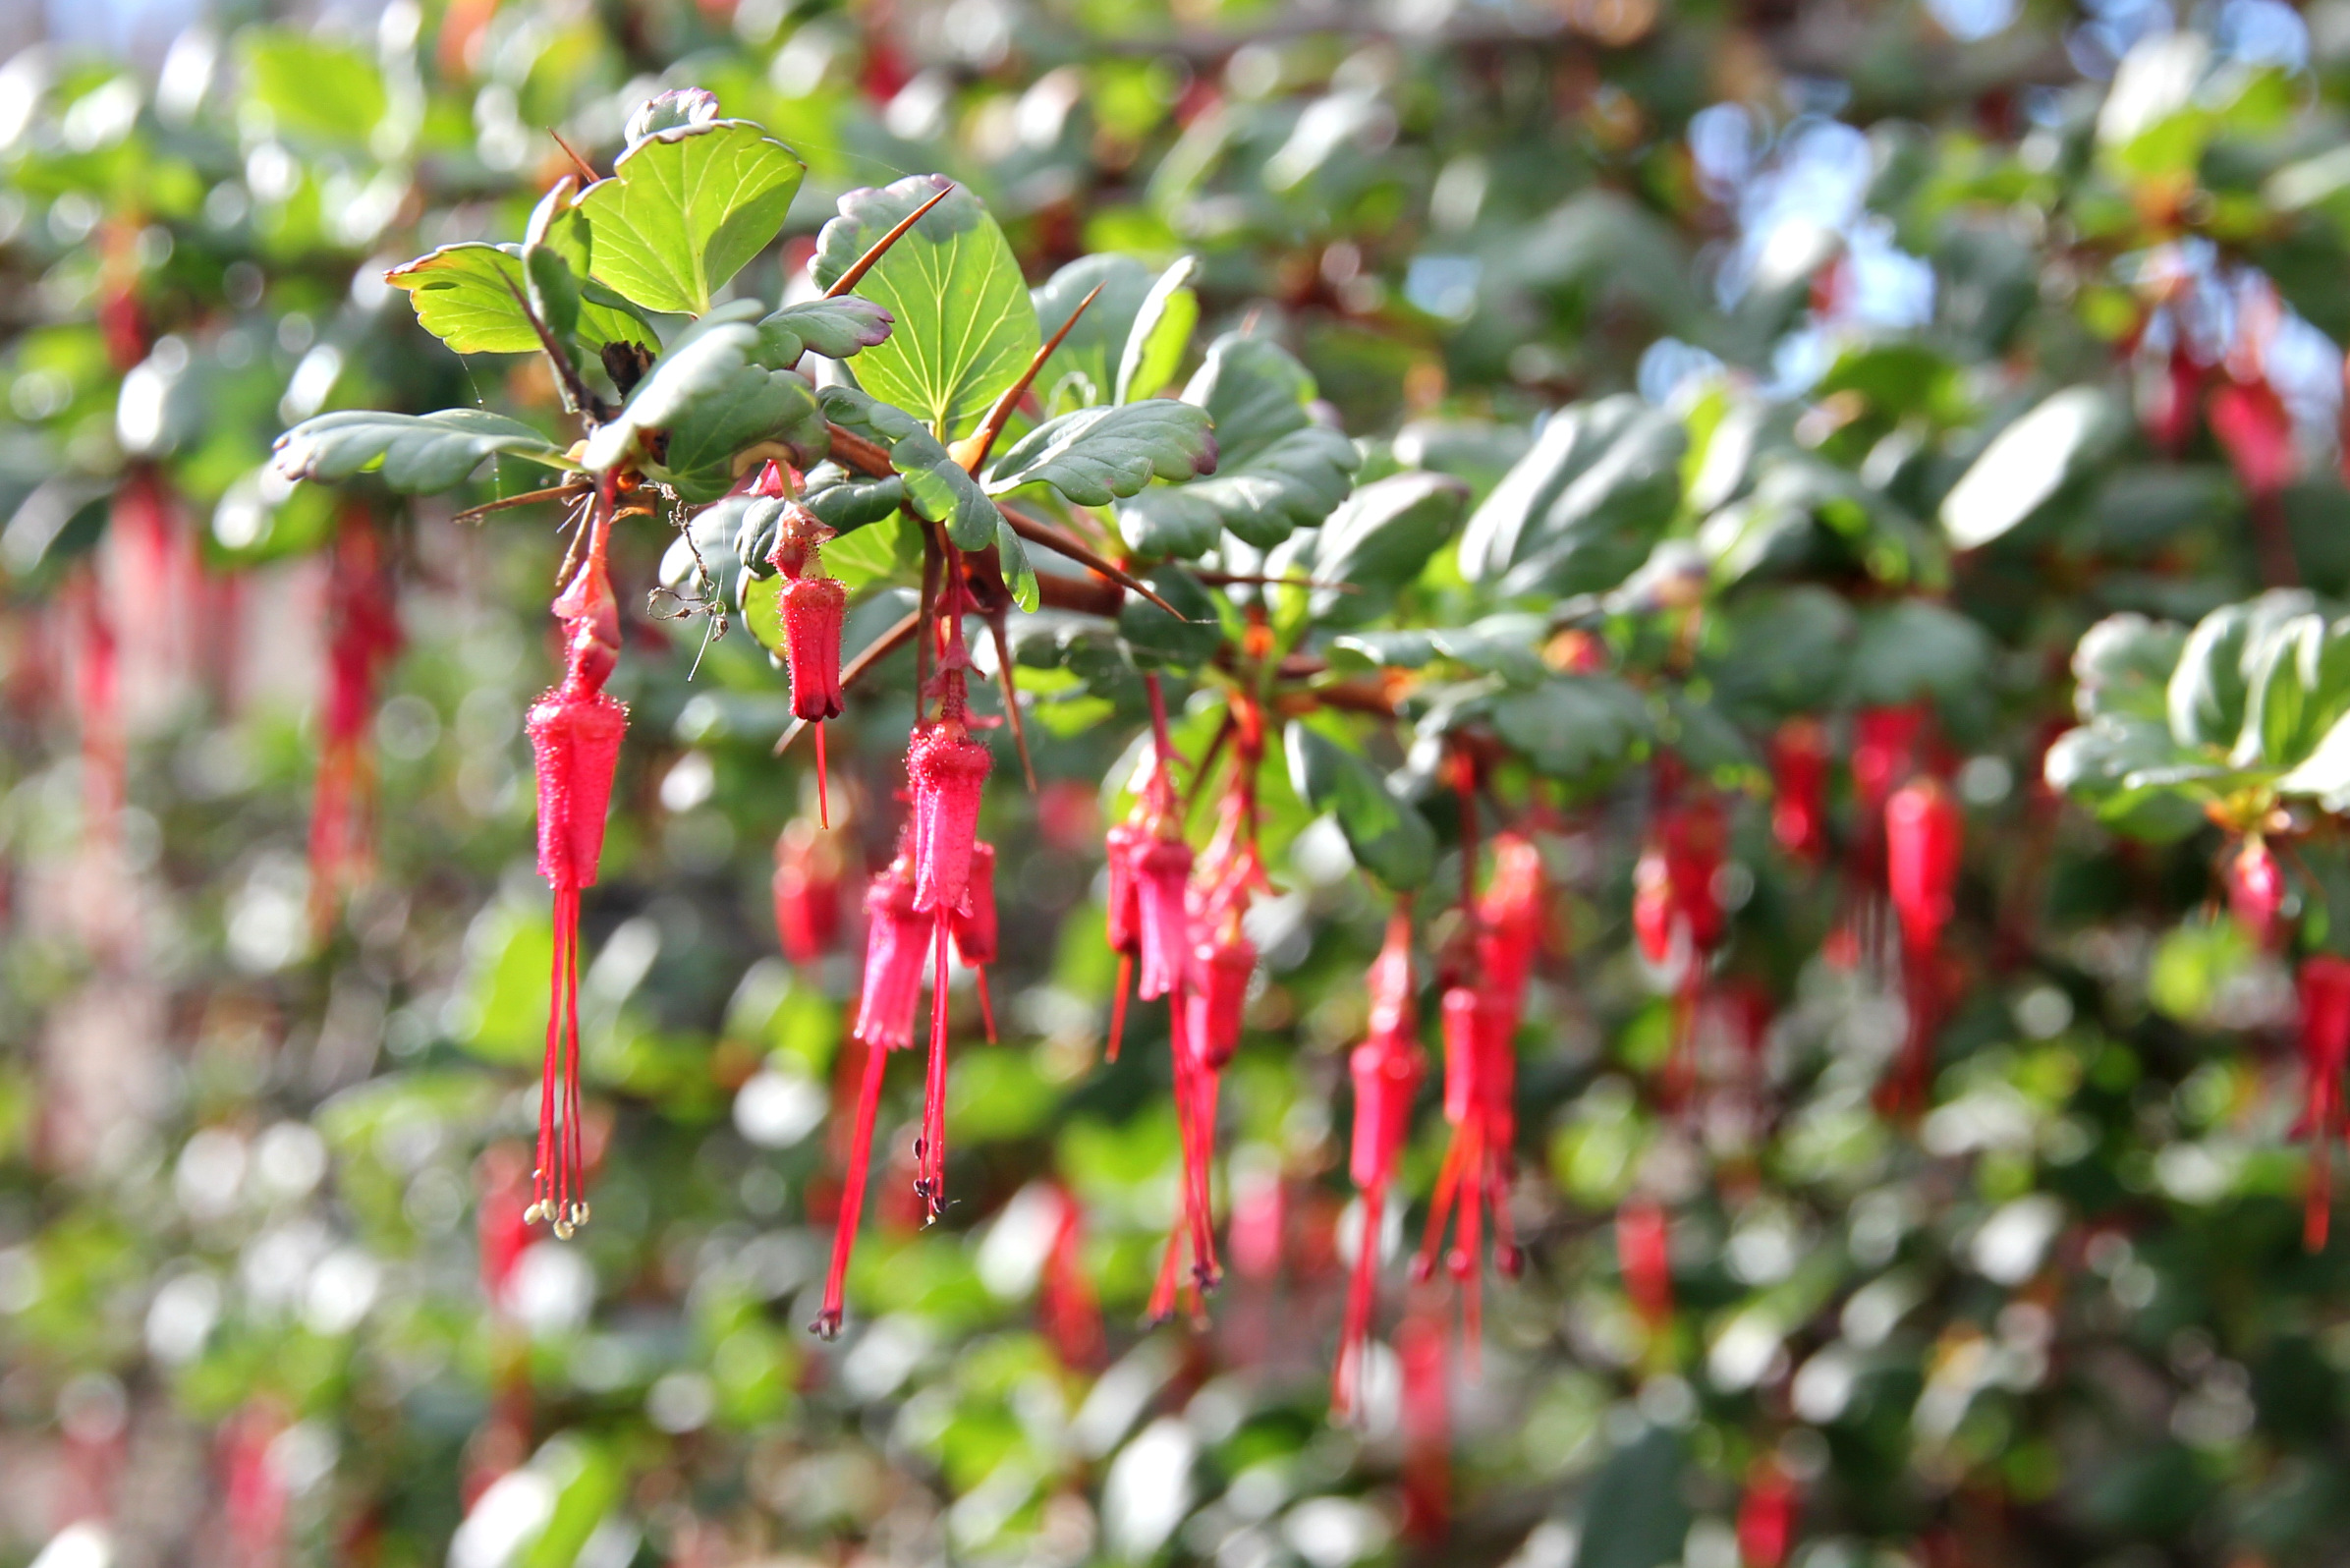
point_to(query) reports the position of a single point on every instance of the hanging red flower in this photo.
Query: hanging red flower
(2325, 1050)
(1387, 1069)
(575, 732)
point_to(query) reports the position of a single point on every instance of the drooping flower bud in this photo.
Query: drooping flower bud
(1220, 972)
(1767, 1515)
(1068, 1310)
(2256, 889)
(1798, 810)
(974, 927)
(1162, 882)
(897, 942)
(1644, 1253)
(2324, 1051)
(1925, 832)
(1387, 1069)
(806, 888)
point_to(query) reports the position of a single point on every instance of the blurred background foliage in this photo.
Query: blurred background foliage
(1924, 303)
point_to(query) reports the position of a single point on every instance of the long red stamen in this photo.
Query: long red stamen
(852, 1198)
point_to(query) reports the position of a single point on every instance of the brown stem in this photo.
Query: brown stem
(1003, 675)
(1038, 531)
(1089, 595)
(554, 492)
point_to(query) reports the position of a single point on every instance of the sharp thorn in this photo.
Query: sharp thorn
(1000, 415)
(880, 248)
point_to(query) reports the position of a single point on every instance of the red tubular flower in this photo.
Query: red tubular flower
(949, 772)
(1644, 1252)
(1885, 744)
(806, 888)
(897, 941)
(2253, 427)
(1924, 831)
(575, 734)
(1222, 968)
(1427, 1422)
(811, 606)
(503, 1233)
(975, 928)
(1162, 886)
(1068, 1310)
(1122, 926)
(2325, 1049)
(1387, 1069)
(362, 638)
(97, 689)
(1678, 919)
(1767, 1515)
(1799, 767)
(2256, 889)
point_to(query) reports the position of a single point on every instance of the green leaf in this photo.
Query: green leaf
(686, 208)
(2206, 695)
(463, 297)
(1292, 485)
(1157, 638)
(1096, 456)
(588, 1485)
(418, 454)
(706, 403)
(1914, 647)
(313, 88)
(1781, 649)
(1380, 537)
(835, 328)
(2033, 462)
(1637, 1518)
(936, 483)
(1602, 524)
(1162, 330)
(2298, 684)
(1387, 834)
(2325, 773)
(2122, 665)
(1012, 560)
(844, 502)
(965, 330)
(1084, 369)
(1255, 390)
(1501, 530)
(1573, 724)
